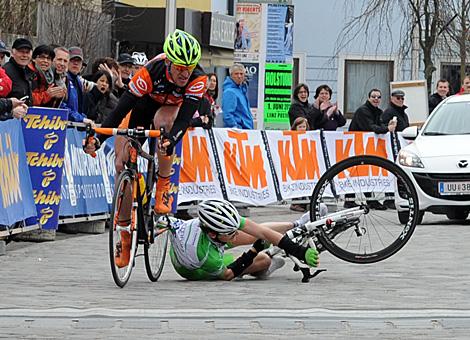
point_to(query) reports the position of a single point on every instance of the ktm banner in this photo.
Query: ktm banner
(262, 167)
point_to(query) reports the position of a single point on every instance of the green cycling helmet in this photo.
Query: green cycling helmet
(182, 48)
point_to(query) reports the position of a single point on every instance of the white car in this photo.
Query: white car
(438, 161)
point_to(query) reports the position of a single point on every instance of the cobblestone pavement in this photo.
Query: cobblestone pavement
(64, 289)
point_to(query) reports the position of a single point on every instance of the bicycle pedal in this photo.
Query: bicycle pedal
(307, 275)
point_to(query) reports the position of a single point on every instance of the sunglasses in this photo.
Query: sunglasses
(400, 98)
(182, 68)
(376, 97)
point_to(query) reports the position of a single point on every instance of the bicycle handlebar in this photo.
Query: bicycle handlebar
(128, 132)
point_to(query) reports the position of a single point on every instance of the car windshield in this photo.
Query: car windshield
(450, 119)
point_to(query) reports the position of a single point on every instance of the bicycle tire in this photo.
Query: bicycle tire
(155, 255)
(336, 241)
(121, 275)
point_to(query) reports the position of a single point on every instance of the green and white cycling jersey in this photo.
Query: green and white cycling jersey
(194, 254)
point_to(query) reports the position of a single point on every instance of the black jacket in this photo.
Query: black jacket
(203, 110)
(327, 123)
(433, 101)
(368, 118)
(97, 106)
(5, 108)
(300, 109)
(399, 112)
(21, 78)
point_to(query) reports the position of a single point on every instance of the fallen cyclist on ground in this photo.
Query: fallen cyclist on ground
(198, 245)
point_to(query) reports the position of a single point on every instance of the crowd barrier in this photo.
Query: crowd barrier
(249, 166)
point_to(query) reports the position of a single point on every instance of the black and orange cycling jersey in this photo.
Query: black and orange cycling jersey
(149, 89)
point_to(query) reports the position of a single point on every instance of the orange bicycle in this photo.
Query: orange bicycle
(133, 219)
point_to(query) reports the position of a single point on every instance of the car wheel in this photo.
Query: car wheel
(403, 217)
(457, 214)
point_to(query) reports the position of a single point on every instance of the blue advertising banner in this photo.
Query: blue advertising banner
(85, 182)
(280, 34)
(16, 193)
(175, 177)
(44, 139)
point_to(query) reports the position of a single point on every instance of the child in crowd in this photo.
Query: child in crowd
(299, 124)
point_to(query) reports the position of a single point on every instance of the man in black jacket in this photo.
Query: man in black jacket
(397, 109)
(442, 91)
(368, 117)
(16, 68)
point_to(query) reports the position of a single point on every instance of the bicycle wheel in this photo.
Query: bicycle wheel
(155, 254)
(119, 231)
(364, 181)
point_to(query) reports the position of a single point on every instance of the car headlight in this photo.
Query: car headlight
(407, 158)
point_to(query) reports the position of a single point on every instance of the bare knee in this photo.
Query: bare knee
(121, 154)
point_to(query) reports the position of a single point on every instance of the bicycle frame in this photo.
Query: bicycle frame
(306, 235)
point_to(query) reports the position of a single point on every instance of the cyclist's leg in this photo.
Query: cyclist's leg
(243, 238)
(164, 118)
(140, 116)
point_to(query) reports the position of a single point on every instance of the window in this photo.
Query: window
(451, 72)
(360, 77)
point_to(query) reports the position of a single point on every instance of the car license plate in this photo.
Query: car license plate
(454, 188)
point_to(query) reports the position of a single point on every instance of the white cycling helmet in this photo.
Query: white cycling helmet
(140, 58)
(219, 216)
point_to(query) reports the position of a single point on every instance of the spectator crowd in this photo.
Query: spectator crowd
(51, 76)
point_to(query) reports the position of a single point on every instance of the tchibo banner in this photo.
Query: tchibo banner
(16, 193)
(86, 187)
(44, 138)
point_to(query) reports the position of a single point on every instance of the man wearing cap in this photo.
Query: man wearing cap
(16, 68)
(76, 86)
(5, 81)
(397, 109)
(125, 62)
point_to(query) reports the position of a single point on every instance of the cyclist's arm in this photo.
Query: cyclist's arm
(259, 231)
(191, 99)
(139, 86)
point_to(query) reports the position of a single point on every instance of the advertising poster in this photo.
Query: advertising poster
(16, 194)
(247, 175)
(44, 139)
(247, 33)
(277, 95)
(298, 161)
(280, 34)
(85, 184)
(252, 79)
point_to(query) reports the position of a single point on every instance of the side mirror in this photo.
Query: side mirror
(410, 132)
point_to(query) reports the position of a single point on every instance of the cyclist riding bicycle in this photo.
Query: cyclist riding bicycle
(197, 245)
(165, 92)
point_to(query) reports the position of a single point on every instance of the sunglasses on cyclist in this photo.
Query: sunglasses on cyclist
(182, 68)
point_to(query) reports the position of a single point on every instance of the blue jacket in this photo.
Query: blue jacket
(235, 106)
(72, 102)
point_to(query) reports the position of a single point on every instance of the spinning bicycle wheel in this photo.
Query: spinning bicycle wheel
(123, 232)
(365, 181)
(155, 253)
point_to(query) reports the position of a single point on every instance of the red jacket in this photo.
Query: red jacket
(39, 87)
(5, 83)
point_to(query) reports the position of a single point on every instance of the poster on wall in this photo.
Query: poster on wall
(277, 95)
(247, 33)
(252, 80)
(280, 34)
